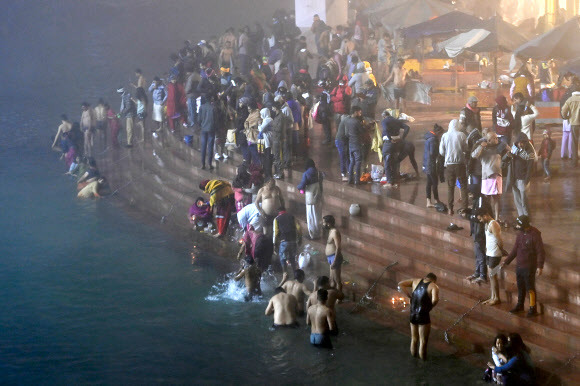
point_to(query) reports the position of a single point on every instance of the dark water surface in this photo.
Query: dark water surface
(90, 295)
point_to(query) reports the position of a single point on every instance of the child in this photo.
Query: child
(545, 153)
(74, 166)
(499, 356)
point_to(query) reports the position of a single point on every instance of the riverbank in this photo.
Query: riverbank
(157, 176)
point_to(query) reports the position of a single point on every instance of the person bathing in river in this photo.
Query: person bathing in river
(252, 276)
(333, 296)
(284, 307)
(322, 321)
(63, 129)
(424, 296)
(91, 175)
(92, 189)
(268, 201)
(297, 288)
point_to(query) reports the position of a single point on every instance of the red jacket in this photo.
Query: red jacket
(340, 98)
(528, 250)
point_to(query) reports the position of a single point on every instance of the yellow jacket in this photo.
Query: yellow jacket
(377, 141)
(217, 190)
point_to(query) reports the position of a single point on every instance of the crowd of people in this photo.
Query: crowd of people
(253, 91)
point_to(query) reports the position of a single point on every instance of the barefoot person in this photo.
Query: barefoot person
(424, 296)
(297, 288)
(283, 306)
(322, 321)
(399, 77)
(269, 201)
(493, 252)
(252, 275)
(333, 251)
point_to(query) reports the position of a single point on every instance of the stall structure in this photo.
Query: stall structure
(562, 42)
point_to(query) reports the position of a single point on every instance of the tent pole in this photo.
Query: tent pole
(495, 70)
(456, 76)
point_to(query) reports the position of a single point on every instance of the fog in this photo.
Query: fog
(41, 41)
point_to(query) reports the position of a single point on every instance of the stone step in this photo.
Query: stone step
(425, 222)
(173, 191)
(459, 291)
(481, 321)
(553, 292)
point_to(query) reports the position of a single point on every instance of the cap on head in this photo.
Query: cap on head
(203, 184)
(523, 221)
(472, 99)
(121, 90)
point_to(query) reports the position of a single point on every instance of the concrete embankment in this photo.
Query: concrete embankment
(160, 176)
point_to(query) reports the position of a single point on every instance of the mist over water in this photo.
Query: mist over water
(90, 294)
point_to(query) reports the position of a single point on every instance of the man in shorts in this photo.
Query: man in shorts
(424, 296)
(333, 251)
(322, 321)
(399, 77)
(493, 252)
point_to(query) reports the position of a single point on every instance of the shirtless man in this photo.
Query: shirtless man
(333, 296)
(424, 296)
(297, 288)
(140, 79)
(269, 201)
(252, 276)
(64, 128)
(399, 77)
(283, 306)
(225, 58)
(322, 320)
(333, 251)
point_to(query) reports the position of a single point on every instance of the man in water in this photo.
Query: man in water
(424, 296)
(322, 320)
(333, 251)
(399, 77)
(284, 307)
(323, 282)
(287, 234)
(269, 200)
(297, 288)
(252, 276)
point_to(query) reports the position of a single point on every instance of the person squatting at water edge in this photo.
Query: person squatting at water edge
(424, 296)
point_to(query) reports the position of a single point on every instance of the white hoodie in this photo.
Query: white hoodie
(266, 121)
(453, 145)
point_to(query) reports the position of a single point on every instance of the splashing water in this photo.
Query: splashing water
(231, 290)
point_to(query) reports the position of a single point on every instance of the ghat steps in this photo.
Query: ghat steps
(165, 182)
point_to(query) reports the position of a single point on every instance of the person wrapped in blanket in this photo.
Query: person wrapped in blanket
(221, 201)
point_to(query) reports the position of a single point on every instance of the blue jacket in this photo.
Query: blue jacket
(392, 127)
(430, 153)
(310, 176)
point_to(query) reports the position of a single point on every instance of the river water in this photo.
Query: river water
(89, 294)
